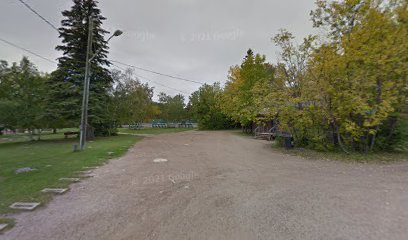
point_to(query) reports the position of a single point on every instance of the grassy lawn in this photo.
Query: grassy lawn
(53, 158)
(46, 135)
(154, 130)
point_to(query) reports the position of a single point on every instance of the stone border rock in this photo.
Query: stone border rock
(25, 205)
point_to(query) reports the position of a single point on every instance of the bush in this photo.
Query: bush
(105, 129)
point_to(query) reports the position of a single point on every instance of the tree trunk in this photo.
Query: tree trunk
(373, 139)
(339, 140)
(394, 121)
(378, 100)
(30, 134)
(90, 133)
(39, 134)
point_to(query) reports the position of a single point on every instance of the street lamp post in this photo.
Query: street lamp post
(85, 97)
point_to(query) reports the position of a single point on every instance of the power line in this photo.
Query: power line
(26, 50)
(162, 84)
(158, 73)
(143, 69)
(54, 62)
(121, 68)
(142, 77)
(39, 15)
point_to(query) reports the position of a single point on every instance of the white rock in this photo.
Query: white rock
(160, 160)
(54, 190)
(70, 179)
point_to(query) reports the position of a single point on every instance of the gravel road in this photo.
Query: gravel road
(220, 185)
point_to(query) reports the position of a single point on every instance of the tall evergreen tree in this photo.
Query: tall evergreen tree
(67, 81)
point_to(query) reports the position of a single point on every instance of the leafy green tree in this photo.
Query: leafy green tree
(340, 17)
(363, 73)
(172, 108)
(287, 95)
(239, 100)
(22, 98)
(131, 99)
(206, 109)
(65, 92)
(349, 90)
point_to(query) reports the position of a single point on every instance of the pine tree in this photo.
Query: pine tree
(67, 81)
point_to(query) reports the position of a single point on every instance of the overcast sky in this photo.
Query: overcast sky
(194, 39)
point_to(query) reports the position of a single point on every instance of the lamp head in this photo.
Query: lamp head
(117, 33)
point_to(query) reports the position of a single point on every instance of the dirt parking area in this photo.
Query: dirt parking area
(220, 185)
